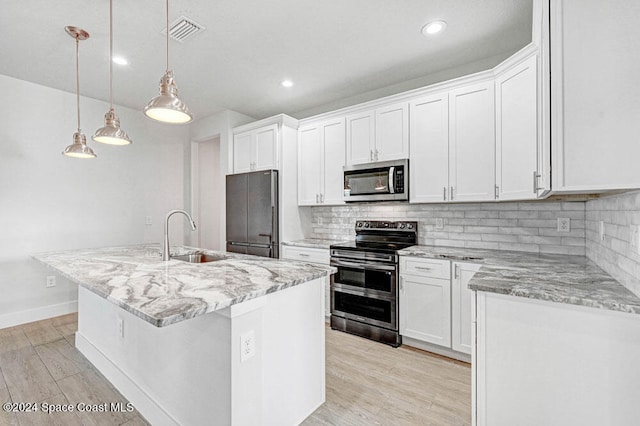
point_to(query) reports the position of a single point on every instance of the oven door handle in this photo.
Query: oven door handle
(369, 266)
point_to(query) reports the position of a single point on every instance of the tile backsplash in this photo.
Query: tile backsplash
(519, 226)
(618, 253)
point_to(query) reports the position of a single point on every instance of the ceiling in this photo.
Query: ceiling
(330, 49)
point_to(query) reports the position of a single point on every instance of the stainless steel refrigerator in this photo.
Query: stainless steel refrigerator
(252, 213)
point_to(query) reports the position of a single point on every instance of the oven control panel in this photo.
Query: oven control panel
(381, 225)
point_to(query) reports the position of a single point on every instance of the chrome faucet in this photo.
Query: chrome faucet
(166, 254)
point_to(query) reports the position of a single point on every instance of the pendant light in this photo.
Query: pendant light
(79, 148)
(167, 107)
(111, 133)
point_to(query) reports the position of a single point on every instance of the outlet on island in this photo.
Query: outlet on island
(247, 346)
(51, 281)
(564, 224)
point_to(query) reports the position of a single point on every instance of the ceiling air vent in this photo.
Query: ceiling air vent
(183, 28)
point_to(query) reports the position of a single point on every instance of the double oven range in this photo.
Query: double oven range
(364, 291)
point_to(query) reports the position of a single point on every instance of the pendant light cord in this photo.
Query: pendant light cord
(78, 81)
(111, 54)
(167, 35)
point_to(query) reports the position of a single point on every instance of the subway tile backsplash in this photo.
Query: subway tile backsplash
(618, 252)
(519, 226)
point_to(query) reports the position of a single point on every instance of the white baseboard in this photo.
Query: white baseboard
(37, 314)
(141, 400)
(449, 353)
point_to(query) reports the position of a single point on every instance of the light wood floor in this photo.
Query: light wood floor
(367, 383)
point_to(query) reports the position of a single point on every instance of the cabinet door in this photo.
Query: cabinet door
(472, 143)
(309, 165)
(425, 309)
(265, 151)
(360, 134)
(392, 133)
(461, 302)
(517, 132)
(333, 162)
(595, 95)
(429, 147)
(242, 160)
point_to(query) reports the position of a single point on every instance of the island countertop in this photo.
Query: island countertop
(163, 293)
(569, 279)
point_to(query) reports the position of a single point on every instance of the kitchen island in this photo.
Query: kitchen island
(239, 340)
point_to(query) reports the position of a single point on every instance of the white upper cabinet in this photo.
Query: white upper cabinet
(242, 161)
(595, 95)
(378, 135)
(333, 160)
(392, 133)
(309, 165)
(516, 131)
(321, 158)
(472, 143)
(429, 159)
(256, 149)
(360, 138)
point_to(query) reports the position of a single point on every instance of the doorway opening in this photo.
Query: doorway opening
(207, 189)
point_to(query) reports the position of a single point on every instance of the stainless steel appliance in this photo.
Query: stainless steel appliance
(252, 213)
(383, 181)
(364, 291)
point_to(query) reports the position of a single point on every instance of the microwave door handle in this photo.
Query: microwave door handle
(392, 172)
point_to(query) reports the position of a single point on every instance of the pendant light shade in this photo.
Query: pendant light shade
(167, 107)
(111, 133)
(79, 148)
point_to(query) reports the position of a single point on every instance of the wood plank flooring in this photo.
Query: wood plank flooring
(367, 383)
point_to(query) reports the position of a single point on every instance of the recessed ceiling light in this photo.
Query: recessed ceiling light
(287, 83)
(434, 27)
(120, 60)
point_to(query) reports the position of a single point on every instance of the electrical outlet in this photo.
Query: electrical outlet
(120, 323)
(247, 346)
(601, 230)
(564, 224)
(51, 281)
(439, 223)
(148, 221)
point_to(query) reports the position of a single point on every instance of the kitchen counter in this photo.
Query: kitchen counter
(574, 280)
(313, 243)
(163, 293)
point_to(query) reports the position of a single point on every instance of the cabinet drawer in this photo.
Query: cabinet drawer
(432, 268)
(306, 254)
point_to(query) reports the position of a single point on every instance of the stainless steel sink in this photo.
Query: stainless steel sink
(199, 257)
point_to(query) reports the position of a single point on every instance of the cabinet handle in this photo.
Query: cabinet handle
(401, 284)
(456, 271)
(303, 255)
(497, 192)
(444, 193)
(535, 181)
(322, 198)
(451, 193)
(371, 154)
(422, 268)
(317, 198)
(376, 155)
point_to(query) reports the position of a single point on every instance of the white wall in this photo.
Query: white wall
(51, 202)
(218, 125)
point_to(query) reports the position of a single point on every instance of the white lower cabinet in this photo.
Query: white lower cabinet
(435, 305)
(312, 255)
(461, 303)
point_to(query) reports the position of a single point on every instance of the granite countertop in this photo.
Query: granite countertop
(574, 280)
(163, 293)
(313, 243)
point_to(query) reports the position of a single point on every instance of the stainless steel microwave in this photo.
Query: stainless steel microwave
(382, 181)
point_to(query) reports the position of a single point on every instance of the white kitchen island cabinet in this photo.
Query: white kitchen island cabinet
(239, 341)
